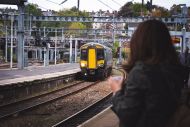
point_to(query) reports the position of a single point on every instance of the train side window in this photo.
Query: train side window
(83, 54)
(100, 54)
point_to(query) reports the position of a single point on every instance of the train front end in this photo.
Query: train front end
(92, 61)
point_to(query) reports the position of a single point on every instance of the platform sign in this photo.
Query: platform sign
(176, 39)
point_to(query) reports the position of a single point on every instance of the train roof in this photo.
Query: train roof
(95, 43)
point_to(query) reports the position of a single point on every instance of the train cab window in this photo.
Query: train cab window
(83, 54)
(100, 54)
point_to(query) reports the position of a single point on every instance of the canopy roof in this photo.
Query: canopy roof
(13, 2)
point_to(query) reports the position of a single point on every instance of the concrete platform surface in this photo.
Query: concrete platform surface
(106, 118)
(8, 76)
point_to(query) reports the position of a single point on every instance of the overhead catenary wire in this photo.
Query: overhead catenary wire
(44, 8)
(53, 2)
(116, 2)
(63, 2)
(105, 4)
(40, 6)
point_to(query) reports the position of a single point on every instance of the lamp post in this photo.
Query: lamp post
(71, 52)
(184, 14)
(62, 36)
(11, 54)
(20, 32)
(183, 44)
(30, 25)
(44, 47)
(6, 41)
(55, 46)
(76, 44)
(113, 34)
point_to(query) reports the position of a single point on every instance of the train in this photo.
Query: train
(95, 60)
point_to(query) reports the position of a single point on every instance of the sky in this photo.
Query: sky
(95, 5)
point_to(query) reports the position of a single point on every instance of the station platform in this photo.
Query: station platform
(16, 84)
(10, 76)
(106, 118)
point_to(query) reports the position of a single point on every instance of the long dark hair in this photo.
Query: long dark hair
(151, 43)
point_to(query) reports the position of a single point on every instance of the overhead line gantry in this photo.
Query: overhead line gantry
(97, 19)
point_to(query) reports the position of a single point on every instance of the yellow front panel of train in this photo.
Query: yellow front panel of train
(92, 59)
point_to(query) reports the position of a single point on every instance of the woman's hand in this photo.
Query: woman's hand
(115, 83)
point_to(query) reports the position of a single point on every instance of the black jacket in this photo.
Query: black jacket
(150, 95)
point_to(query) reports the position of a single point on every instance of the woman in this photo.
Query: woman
(151, 92)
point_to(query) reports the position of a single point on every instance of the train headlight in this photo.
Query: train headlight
(82, 64)
(101, 65)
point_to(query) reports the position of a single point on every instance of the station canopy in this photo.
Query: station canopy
(13, 2)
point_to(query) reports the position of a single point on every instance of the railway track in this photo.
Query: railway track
(33, 107)
(86, 113)
(89, 111)
(22, 106)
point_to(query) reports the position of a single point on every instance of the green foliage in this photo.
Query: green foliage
(137, 9)
(33, 9)
(76, 25)
(2, 32)
(134, 9)
(67, 12)
(177, 48)
(73, 12)
(163, 11)
(72, 25)
(69, 25)
(126, 26)
(126, 10)
(114, 49)
(175, 9)
(124, 55)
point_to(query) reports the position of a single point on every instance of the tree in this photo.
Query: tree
(160, 12)
(137, 8)
(1, 31)
(115, 49)
(175, 9)
(132, 10)
(76, 25)
(126, 10)
(73, 12)
(33, 9)
(156, 13)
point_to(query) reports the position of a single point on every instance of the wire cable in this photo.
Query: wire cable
(40, 6)
(106, 5)
(116, 2)
(63, 2)
(52, 2)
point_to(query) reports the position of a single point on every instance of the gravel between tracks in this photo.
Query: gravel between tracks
(61, 109)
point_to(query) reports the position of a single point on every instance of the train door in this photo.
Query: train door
(92, 58)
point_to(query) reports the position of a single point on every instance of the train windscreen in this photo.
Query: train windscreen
(83, 54)
(100, 54)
